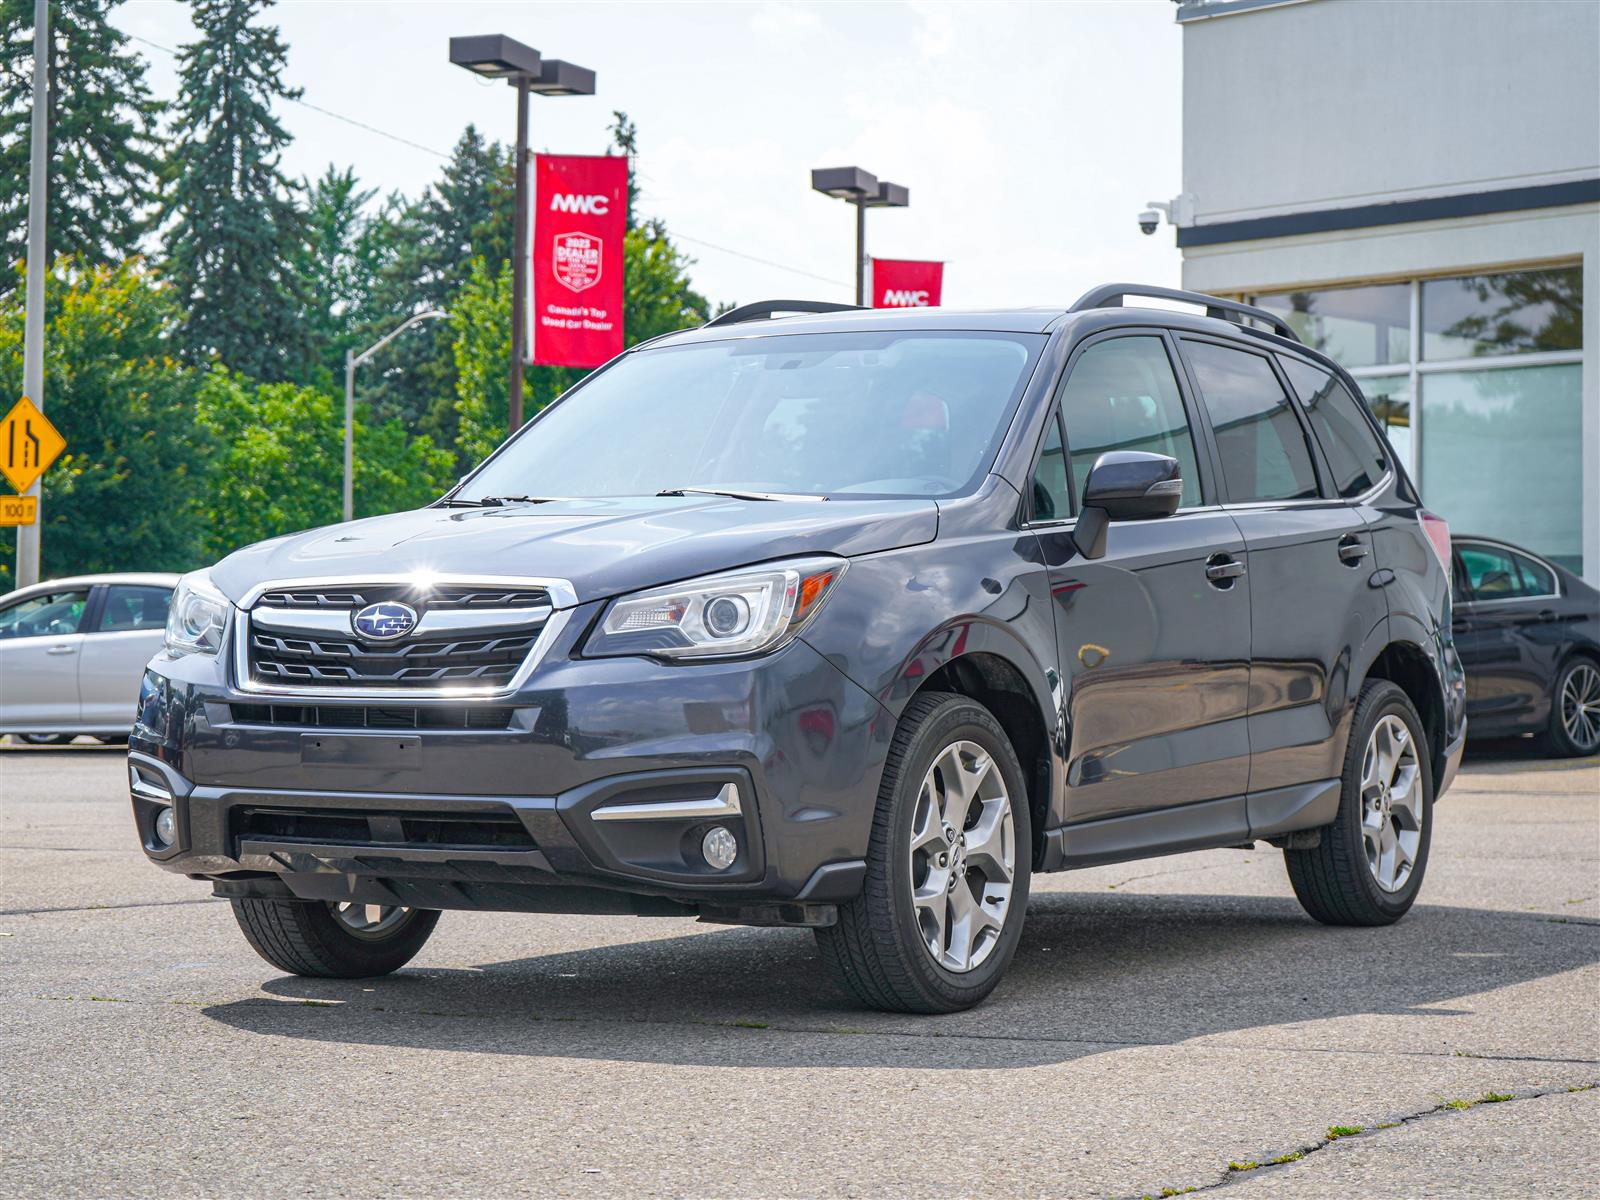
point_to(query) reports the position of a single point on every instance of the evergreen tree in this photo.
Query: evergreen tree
(235, 232)
(427, 249)
(339, 266)
(102, 165)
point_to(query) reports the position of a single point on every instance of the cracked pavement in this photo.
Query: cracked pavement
(1162, 1019)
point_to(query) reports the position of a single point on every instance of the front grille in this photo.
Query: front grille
(420, 830)
(314, 716)
(276, 657)
(448, 596)
(468, 635)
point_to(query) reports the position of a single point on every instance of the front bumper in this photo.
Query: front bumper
(271, 796)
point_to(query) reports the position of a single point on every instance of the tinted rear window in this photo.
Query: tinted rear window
(1354, 453)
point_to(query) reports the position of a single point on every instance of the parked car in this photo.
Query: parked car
(72, 653)
(1528, 632)
(845, 620)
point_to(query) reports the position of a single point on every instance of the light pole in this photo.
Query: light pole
(862, 189)
(495, 56)
(29, 536)
(351, 362)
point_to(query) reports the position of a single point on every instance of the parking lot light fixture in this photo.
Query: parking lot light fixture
(496, 56)
(863, 190)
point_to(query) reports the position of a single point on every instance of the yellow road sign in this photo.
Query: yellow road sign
(19, 510)
(28, 444)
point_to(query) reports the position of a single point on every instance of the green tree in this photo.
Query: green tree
(426, 251)
(102, 165)
(339, 266)
(234, 232)
(124, 494)
(279, 465)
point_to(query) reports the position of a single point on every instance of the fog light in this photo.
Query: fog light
(166, 827)
(720, 848)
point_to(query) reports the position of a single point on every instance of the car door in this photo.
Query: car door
(1506, 634)
(39, 644)
(1153, 637)
(123, 634)
(1310, 559)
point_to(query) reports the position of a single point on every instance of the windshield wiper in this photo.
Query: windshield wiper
(497, 501)
(736, 495)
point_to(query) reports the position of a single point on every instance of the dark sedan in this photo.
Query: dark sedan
(1528, 632)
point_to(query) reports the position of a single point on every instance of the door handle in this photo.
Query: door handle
(1351, 550)
(61, 650)
(1223, 570)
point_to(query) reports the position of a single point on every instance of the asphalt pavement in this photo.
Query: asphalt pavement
(1170, 1024)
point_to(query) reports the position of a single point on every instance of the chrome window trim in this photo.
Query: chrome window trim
(561, 593)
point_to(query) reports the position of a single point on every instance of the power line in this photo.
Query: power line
(394, 137)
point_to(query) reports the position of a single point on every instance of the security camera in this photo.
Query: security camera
(1149, 220)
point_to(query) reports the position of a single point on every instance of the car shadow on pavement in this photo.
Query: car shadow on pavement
(1093, 973)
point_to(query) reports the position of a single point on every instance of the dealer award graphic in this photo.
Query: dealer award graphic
(576, 260)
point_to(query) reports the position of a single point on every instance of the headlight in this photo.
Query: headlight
(719, 616)
(198, 616)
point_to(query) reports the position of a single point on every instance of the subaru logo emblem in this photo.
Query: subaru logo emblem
(385, 621)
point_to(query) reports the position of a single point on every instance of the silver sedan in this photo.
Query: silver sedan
(73, 652)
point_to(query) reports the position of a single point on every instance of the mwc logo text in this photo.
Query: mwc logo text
(904, 298)
(596, 206)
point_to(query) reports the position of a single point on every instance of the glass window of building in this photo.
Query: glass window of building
(1502, 455)
(1389, 398)
(1354, 326)
(1514, 312)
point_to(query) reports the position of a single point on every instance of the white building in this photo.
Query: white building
(1416, 184)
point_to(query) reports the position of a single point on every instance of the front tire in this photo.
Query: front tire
(334, 941)
(1575, 710)
(948, 866)
(1368, 866)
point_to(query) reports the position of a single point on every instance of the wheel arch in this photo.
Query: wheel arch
(1409, 667)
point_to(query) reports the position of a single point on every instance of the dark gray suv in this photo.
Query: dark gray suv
(845, 620)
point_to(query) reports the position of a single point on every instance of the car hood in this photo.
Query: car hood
(601, 547)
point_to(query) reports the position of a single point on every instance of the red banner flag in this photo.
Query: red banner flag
(580, 206)
(898, 283)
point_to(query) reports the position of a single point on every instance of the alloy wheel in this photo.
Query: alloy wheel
(963, 857)
(369, 920)
(1391, 803)
(1580, 707)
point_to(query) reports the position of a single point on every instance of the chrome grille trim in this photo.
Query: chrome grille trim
(541, 623)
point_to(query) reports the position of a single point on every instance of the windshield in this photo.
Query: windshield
(870, 414)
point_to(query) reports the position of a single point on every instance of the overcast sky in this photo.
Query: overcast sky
(1029, 134)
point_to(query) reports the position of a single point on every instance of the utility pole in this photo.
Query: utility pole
(519, 263)
(33, 321)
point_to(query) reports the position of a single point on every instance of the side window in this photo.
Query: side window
(1263, 449)
(1051, 500)
(1352, 449)
(1491, 572)
(134, 607)
(1122, 395)
(49, 615)
(1536, 579)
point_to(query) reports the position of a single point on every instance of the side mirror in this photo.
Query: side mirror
(1125, 485)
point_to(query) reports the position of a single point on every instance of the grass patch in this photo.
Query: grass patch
(1458, 1105)
(1581, 1087)
(1243, 1166)
(1496, 1097)
(1292, 1156)
(1335, 1132)
(741, 1024)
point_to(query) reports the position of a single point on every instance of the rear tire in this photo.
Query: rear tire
(1575, 711)
(305, 937)
(949, 758)
(47, 739)
(1368, 867)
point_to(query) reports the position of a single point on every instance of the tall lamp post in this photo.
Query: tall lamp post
(862, 189)
(353, 360)
(495, 56)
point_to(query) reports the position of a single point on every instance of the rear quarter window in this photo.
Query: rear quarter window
(1354, 453)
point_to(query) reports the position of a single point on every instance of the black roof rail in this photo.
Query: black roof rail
(1110, 295)
(767, 308)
